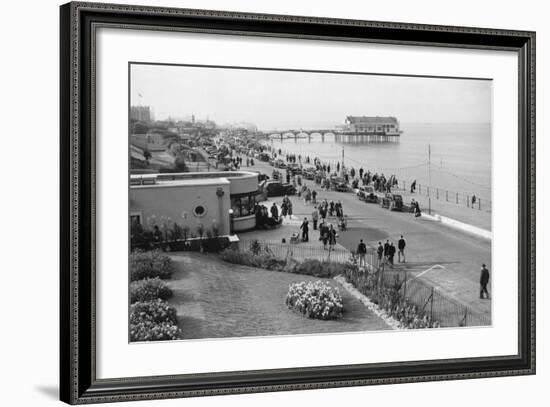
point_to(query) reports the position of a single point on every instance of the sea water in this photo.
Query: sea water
(460, 159)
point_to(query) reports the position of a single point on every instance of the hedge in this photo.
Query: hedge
(150, 264)
(149, 289)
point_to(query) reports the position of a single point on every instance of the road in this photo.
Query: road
(429, 243)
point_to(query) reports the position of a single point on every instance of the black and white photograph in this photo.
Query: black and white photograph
(267, 202)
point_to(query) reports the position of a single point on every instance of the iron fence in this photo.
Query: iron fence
(297, 251)
(443, 194)
(406, 290)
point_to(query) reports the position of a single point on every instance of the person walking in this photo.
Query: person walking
(331, 238)
(483, 281)
(315, 217)
(401, 247)
(380, 253)
(314, 197)
(361, 253)
(391, 254)
(305, 230)
(274, 212)
(386, 250)
(474, 199)
(323, 231)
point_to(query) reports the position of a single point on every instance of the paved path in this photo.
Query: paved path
(428, 243)
(215, 299)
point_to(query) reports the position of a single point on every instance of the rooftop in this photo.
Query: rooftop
(188, 178)
(371, 119)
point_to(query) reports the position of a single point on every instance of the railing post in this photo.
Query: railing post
(437, 193)
(405, 286)
(457, 198)
(468, 201)
(479, 203)
(446, 195)
(432, 305)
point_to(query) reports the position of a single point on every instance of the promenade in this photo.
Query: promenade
(445, 258)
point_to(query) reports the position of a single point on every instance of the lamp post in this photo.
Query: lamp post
(429, 179)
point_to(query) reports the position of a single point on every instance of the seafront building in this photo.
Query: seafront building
(223, 199)
(375, 125)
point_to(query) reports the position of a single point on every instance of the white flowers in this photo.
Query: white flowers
(315, 299)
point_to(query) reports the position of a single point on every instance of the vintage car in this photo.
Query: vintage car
(339, 184)
(294, 168)
(309, 173)
(366, 193)
(393, 202)
(276, 188)
(279, 163)
(263, 157)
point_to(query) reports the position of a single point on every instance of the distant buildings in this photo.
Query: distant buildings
(376, 125)
(141, 113)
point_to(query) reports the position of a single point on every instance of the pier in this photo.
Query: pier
(339, 136)
(357, 129)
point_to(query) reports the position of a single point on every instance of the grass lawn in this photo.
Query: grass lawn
(215, 299)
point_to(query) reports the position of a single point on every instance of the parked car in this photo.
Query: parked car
(294, 169)
(393, 202)
(263, 157)
(339, 184)
(309, 173)
(366, 193)
(279, 164)
(276, 188)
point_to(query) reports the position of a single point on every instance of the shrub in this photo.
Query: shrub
(149, 289)
(316, 268)
(263, 260)
(153, 321)
(315, 299)
(149, 264)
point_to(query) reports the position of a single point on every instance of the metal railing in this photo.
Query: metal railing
(407, 290)
(298, 251)
(443, 194)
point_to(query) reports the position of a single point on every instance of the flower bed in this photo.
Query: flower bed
(153, 321)
(150, 264)
(149, 289)
(315, 299)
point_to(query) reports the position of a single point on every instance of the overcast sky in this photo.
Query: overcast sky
(277, 99)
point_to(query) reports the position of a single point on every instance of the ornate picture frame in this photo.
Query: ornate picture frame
(79, 383)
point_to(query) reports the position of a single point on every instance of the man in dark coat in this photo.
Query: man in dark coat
(305, 230)
(483, 281)
(391, 254)
(401, 246)
(361, 252)
(386, 250)
(274, 212)
(380, 253)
